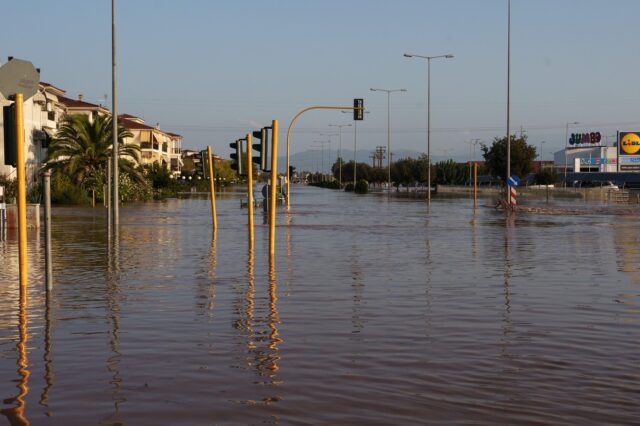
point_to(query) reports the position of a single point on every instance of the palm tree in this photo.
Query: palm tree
(82, 147)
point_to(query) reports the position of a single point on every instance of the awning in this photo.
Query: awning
(145, 136)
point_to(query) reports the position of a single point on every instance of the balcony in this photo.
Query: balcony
(149, 145)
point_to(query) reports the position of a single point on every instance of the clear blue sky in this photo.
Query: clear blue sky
(213, 70)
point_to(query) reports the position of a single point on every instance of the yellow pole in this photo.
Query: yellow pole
(212, 189)
(249, 186)
(22, 191)
(289, 139)
(272, 188)
(475, 183)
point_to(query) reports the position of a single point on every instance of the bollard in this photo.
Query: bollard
(212, 189)
(47, 231)
(272, 189)
(249, 187)
(22, 191)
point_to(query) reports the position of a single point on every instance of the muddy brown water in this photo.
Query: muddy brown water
(375, 310)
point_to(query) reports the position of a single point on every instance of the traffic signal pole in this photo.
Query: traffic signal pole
(249, 187)
(288, 195)
(212, 189)
(22, 191)
(272, 188)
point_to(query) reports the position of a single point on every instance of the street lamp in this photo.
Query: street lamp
(566, 146)
(388, 92)
(322, 154)
(541, 142)
(428, 58)
(355, 139)
(340, 126)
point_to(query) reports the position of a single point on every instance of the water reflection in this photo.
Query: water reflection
(509, 242)
(47, 357)
(16, 415)
(113, 296)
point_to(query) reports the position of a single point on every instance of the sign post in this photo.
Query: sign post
(512, 182)
(19, 80)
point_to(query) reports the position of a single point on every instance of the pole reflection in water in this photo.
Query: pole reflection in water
(273, 358)
(357, 285)
(428, 275)
(507, 325)
(250, 296)
(113, 315)
(48, 358)
(213, 264)
(16, 415)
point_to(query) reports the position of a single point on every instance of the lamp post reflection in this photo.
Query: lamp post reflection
(16, 415)
(113, 315)
(48, 359)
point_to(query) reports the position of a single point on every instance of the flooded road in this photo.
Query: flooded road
(375, 311)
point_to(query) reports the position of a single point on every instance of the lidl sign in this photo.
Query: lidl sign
(629, 143)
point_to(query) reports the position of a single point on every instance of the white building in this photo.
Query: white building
(41, 115)
(586, 159)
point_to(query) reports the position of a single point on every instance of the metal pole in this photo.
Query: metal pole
(340, 156)
(22, 191)
(109, 201)
(274, 181)
(250, 187)
(212, 189)
(566, 146)
(116, 199)
(508, 96)
(429, 130)
(355, 162)
(47, 231)
(475, 183)
(388, 143)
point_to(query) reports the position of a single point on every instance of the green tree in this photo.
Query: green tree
(82, 147)
(522, 156)
(451, 173)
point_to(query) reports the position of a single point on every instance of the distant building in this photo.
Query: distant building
(42, 113)
(156, 146)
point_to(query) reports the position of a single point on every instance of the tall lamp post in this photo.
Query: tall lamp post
(540, 159)
(428, 59)
(115, 210)
(388, 92)
(355, 145)
(322, 154)
(340, 126)
(566, 146)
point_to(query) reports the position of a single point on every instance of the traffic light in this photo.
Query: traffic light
(291, 171)
(358, 112)
(204, 162)
(10, 151)
(236, 164)
(261, 159)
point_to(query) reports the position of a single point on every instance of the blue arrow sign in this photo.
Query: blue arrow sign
(513, 181)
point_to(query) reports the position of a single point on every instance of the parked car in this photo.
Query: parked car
(595, 184)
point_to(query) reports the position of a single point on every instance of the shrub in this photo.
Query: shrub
(349, 187)
(362, 187)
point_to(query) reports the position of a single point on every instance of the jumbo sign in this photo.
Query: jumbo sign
(629, 143)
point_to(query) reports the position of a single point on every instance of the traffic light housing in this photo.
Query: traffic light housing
(10, 150)
(204, 163)
(236, 164)
(358, 112)
(291, 171)
(261, 159)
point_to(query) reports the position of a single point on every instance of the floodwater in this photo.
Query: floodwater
(374, 311)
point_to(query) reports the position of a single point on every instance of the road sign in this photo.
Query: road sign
(513, 181)
(18, 76)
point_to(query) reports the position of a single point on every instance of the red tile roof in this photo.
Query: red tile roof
(130, 124)
(76, 103)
